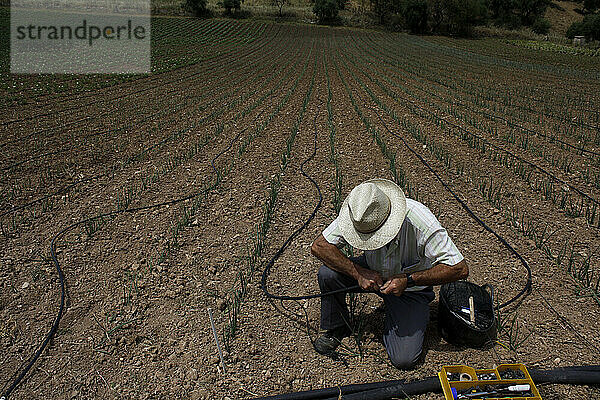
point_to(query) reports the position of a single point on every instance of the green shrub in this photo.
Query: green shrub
(514, 13)
(531, 10)
(591, 5)
(415, 15)
(389, 12)
(541, 26)
(196, 7)
(574, 30)
(589, 27)
(326, 11)
(229, 5)
(457, 17)
(396, 22)
(593, 26)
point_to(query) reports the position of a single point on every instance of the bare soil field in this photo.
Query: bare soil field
(161, 196)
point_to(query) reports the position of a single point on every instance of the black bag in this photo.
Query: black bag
(454, 320)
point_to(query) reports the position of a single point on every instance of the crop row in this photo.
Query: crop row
(543, 73)
(482, 75)
(582, 204)
(479, 92)
(579, 268)
(480, 103)
(187, 213)
(165, 125)
(506, 48)
(229, 46)
(251, 262)
(525, 142)
(219, 35)
(125, 124)
(198, 123)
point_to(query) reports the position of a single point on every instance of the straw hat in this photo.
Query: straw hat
(372, 214)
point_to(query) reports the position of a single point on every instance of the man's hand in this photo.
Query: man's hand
(369, 280)
(395, 285)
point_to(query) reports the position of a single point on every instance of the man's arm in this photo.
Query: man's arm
(334, 259)
(437, 275)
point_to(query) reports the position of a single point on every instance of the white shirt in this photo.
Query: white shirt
(421, 243)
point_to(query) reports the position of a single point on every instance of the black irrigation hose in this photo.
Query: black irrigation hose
(55, 239)
(318, 394)
(573, 376)
(267, 270)
(527, 289)
(20, 373)
(54, 327)
(65, 188)
(386, 390)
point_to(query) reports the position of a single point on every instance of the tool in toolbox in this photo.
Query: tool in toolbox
(507, 381)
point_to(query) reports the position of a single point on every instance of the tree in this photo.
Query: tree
(576, 29)
(229, 5)
(458, 17)
(384, 8)
(326, 10)
(279, 4)
(589, 27)
(591, 6)
(196, 7)
(530, 10)
(415, 15)
(437, 14)
(514, 13)
(541, 26)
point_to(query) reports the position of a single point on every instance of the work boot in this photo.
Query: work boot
(331, 339)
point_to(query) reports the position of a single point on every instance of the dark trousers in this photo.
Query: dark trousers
(406, 316)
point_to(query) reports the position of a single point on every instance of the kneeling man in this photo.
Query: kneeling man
(406, 251)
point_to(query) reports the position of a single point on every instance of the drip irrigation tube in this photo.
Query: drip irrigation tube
(527, 288)
(386, 390)
(265, 275)
(47, 196)
(267, 270)
(335, 391)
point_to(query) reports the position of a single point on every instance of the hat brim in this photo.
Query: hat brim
(387, 231)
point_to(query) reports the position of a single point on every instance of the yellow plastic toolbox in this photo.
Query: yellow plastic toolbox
(507, 381)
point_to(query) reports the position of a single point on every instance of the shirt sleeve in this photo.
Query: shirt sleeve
(333, 235)
(439, 248)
